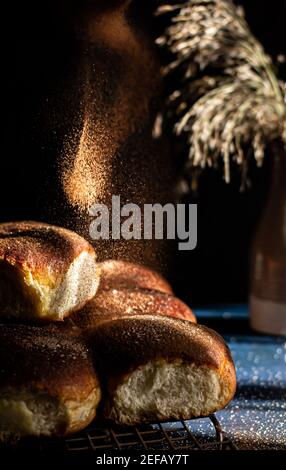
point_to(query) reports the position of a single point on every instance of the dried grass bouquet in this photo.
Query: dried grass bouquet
(227, 97)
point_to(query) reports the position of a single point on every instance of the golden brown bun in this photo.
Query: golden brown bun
(119, 303)
(122, 274)
(159, 368)
(46, 272)
(47, 382)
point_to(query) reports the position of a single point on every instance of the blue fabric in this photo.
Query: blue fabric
(256, 418)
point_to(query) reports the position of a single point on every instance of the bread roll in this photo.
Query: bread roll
(46, 272)
(118, 303)
(47, 382)
(122, 274)
(159, 369)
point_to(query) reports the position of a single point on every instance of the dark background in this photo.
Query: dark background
(217, 271)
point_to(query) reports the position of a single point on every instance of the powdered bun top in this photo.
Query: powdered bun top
(118, 303)
(45, 359)
(40, 248)
(117, 274)
(124, 344)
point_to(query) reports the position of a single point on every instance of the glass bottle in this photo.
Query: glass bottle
(268, 263)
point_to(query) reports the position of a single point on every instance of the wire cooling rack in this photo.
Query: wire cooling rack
(172, 436)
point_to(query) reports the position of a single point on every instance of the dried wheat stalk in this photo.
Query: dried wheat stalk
(227, 96)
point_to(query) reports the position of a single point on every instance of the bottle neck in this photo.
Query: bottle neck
(278, 153)
(272, 225)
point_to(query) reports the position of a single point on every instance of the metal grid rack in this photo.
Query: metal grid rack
(175, 436)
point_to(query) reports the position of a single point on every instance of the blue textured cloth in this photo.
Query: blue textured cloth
(256, 418)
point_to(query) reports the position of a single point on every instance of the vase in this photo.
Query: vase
(268, 260)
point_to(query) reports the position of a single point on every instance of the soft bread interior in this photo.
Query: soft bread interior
(31, 414)
(78, 285)
(22, 293)
(35, 413)
(161, 390)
